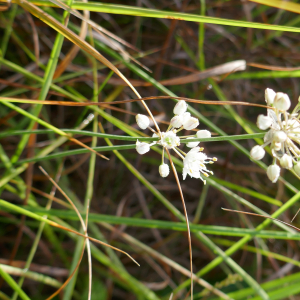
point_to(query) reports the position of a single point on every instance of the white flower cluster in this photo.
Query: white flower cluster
(283, 134)
(194, 161)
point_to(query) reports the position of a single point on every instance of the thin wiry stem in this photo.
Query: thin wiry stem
(83, 235)
(71, 103)
(83, 226)
(186, 219)
(78, 233)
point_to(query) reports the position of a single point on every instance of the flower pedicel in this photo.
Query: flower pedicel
(194, 162)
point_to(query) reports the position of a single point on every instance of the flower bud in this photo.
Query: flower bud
(191, 123)
(185, 117)
(257, 152)
(279, 136)
(263, 122)
(273, 172)
(180, 107)
(142, 147)
(164, 170)
(297, 168)
(192, 144)
(286, 161)
(142, 121)
(176, 121)
(282, 101)
(269, 96)
(203, 134)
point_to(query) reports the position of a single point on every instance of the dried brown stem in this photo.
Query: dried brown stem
(186, 219)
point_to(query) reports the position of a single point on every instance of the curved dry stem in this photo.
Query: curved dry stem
(83, 224)
(86, 241)
(71, 276)
(186, 219)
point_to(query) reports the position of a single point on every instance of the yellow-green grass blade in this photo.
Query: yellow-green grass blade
(155, 13)
(10, 281)
(289, 281)
(286, 5)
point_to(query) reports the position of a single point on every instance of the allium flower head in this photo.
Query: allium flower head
(283, 135)
(194, 161)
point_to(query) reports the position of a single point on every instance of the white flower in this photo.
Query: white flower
(297, 168)
(164, 170)
(169, 139)
(279, 136)
(176, 121)
(286, 161)
(191, 123)
(180, 107)
(264, 122)
(142, 147)
(203, 134)
(257, 152)
(142, 121)
(269, 96)
(273, 172)
(192, 144)
(194, 164)
(282, 101)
